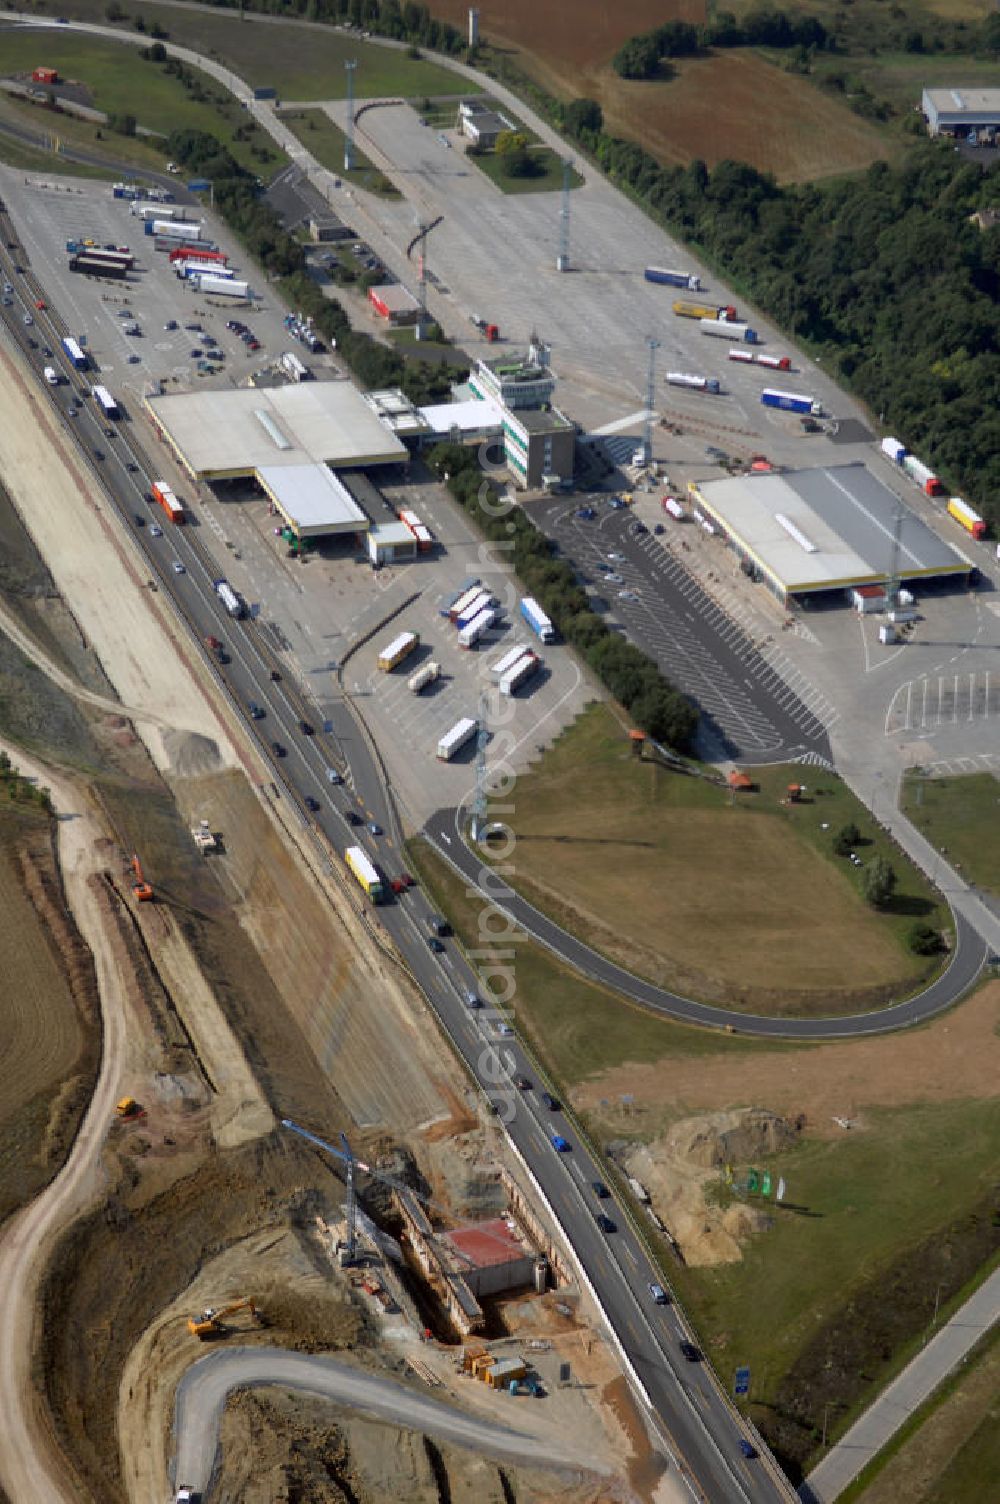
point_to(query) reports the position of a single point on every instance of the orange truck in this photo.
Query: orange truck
(164, 496)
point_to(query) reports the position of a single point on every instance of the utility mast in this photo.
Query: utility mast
(479, 804)
(562, 260)
(892, 583)
(349, 68)
(647, 434)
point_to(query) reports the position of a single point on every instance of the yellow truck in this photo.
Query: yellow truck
(364, 871)
(688, 310)
(399, 648)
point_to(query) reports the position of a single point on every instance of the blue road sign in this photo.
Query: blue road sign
(199, 185)
(741, 1383)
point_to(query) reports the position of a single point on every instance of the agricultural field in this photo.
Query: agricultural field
(113, 78)
(961, 817)
(319, 134)
(640, 860)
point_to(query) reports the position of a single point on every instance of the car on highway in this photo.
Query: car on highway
(748, 1449)
(473, 999)
(140, 520)
(352, 817)
(312, 802)
(522, 1083)
(277, 749)
(613, 579)
(7, 287)
(551, 1102)
(560, 1144)
(178, 567)
(407, 880)
(46, 352)
(628, 595)
(692, 1353)
(502, 1029)
(605, 1223)
(600, 1190)
(374, 828)
(274, 676)
(41, 304)
(616, 557)
(7, 302)
(98, 454)
(659, 1294)
(72, 411)
(332, 776)
(255, 711)
(28, 319)
(435, 944)
(306, 728)
(156, 531)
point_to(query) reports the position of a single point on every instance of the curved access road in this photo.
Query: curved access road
(204, 1389)
(445, 833)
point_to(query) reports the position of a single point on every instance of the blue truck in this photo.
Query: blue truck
(672, 279)
(537, 620)
(791, 402)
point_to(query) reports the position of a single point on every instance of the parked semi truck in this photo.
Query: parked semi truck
(537, 620)
(163, 495)
(221, 286)
(478, 627)
(395, 651)
(365, 872)
(522, 670)
(481, 601)
(425, 675)
(704, 310)
(727, 329)
(202, 252)
(923, 475)
(472, 583)
(506, 662)
(459, 608)
(169, 229)
(91, 266)
(893, 450)
(230, 598)
(694, 383)
(758, 358)
(791, 402)
(673, 279)
(966, 517)
(454, 740)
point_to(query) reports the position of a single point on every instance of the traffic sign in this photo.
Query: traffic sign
(741, 1383)
(199, 185)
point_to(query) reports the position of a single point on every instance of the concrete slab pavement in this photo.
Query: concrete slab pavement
(905, 1394)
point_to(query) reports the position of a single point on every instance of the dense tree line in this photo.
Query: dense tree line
(387, 18)
(627, 673)
(643, 56)
(237, 197)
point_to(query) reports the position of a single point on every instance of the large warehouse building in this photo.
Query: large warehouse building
(810, 531)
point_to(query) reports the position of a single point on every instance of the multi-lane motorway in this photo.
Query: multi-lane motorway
(697, 1426)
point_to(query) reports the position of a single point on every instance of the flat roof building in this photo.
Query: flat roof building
(490, 1256)
(392, 301)
(311, 499)
(218, 435)
(465, 422)
(954, 111)
(480, 124)
(539, 447)
(390, 543)
(398, 412)
(515, 381)
(831, 528)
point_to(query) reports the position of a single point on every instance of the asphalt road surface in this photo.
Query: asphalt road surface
(445, 832)
(202, 1394)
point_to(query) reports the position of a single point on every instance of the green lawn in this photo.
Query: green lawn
(738, 901)
(549, 179)
(15, 153)
(301, 64)
(120, 82)
(317, 132)
(961, 817)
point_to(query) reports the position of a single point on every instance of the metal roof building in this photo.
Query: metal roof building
(952, 110)
(831, 528)
(219, 435)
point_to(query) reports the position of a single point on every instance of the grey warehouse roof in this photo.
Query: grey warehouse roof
(825, 528)
(961, 102)
(312, 499)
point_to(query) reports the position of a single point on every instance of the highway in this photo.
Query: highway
(696, 1425)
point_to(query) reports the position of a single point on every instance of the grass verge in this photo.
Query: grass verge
(319, 134)
(959, 816)
(548, 178)
(737, 900)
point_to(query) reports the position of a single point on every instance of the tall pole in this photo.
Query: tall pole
(562, 260)
(647, 435)
(479, 801)
(422, 284)
(349, 68)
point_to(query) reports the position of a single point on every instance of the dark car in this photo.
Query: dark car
(195, 354)
(522, 1083)
(277, 749)
(605, 1223)
(140, 520)
(274, 676)
(353, 818)
(306, 728)
(551, 1102)
(692, 1353)
(600, 1189)
(98, 454)
(255, 710)
(311, 802)
(749, 1451)
(640, 528)
(435, 944)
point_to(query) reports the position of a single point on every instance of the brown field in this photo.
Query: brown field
(569, 39)
(47, 993)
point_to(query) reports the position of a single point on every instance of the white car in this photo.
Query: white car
(178, 567)
(28, 319)
(618, 558)
(156, 531)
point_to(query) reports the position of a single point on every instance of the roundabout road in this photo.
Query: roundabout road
(444, 831)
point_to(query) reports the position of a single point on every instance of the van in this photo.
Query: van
(438, 925)
(658, 1293)
(51, 375)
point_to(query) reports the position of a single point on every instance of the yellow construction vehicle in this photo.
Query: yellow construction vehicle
(128, 1107)
(211, 1322)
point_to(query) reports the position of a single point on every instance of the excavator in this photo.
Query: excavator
(142, 891)
(211, 1322)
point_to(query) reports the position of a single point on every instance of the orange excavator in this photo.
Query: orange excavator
(211, 1322)
(142, 891)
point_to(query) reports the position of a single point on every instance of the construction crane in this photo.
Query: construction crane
(210, 1322)
(142, 891)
